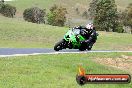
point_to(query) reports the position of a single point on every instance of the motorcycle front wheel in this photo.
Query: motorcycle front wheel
(60, 45)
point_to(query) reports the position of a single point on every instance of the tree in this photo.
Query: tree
(92, 9)
(57, 16)
(128, 16)
(104, 13)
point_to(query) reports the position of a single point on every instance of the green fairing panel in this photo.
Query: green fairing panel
(72, 37)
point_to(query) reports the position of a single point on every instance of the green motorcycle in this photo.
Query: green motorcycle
(71, 40)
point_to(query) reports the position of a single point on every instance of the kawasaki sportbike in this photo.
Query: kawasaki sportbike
(71, 40)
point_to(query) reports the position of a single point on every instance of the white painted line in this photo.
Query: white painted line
(112, 51)
(8, 0)
(14, 55)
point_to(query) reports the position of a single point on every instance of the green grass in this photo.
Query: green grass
(23, 4)
(54, 71)
(14, 33)
(21, 34)
(114, 41)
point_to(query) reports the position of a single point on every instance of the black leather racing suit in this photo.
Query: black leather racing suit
(90, 35)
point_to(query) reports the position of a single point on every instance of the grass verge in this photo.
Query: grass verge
(16, 33)
(54, 71)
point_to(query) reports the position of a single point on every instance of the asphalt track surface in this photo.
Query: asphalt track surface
(8, 52)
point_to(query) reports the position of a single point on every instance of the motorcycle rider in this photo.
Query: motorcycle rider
(90, 34)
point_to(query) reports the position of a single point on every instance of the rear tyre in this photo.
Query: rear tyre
(82, 49)
(89, 48)
(59, 46)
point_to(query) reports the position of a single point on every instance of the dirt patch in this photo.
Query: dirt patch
(124, 62)
(129, 47)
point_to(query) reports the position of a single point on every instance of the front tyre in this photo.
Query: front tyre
(59, 46)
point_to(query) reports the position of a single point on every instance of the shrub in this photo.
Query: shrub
(7, 10)
(119, 28)
(35, 15)
(77, 10)
(57, 16)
